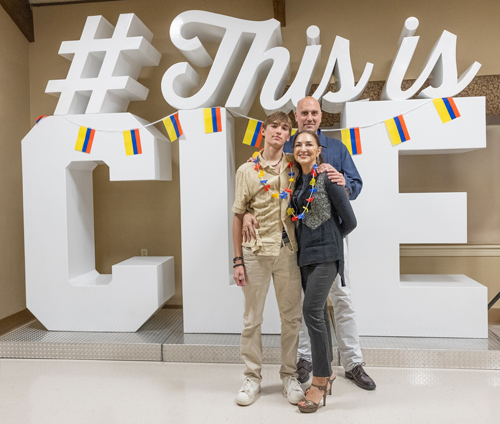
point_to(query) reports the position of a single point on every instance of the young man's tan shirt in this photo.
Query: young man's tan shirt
(271, 213)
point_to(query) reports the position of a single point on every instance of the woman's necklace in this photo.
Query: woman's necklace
(312, 190)
(267, 187)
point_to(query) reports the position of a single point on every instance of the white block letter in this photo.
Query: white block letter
(63, 289)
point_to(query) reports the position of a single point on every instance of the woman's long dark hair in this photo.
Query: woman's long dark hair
(316, 138)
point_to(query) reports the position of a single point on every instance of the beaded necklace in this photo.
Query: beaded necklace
(312, 190)
(267, 187)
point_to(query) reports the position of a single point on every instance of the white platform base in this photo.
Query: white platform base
(422, 303)
(163, 339)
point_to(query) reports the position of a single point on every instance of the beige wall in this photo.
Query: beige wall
(131, 216)
(373, 28)
(14, 124)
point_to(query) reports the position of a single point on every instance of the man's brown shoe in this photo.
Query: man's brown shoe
(304, 368)
(360, 377)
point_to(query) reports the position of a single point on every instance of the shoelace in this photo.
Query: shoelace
(247, 386)
(293, 384)
(358, 369)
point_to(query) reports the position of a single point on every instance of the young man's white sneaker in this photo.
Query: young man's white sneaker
(292, 390)
(248, 391)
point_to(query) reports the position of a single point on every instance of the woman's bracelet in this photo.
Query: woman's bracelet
(235, 265)
(237, 259)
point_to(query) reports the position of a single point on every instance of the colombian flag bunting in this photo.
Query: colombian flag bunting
(397, 130)
(352, 140)
(447, 109)
(253, 135)
(132, 140)
(212, 120)
(85, 140)
(173, 126)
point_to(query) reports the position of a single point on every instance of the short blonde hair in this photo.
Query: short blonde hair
(279, 117)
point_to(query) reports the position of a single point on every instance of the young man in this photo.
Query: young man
(261, 188)
(342, 170)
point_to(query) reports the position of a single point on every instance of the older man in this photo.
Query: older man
(341, 169)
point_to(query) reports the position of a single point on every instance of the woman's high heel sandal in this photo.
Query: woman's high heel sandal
(310, 406)
(329, 380)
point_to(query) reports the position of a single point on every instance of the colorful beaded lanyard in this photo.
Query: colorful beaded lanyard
(312, 190)
(267, 187)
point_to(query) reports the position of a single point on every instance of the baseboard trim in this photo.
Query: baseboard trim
(470, 250)
(15, 320)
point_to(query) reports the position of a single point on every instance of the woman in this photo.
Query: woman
(316, 206)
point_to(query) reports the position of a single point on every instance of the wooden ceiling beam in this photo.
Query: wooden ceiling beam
(20, 13)
(279, 11)
(35, 3)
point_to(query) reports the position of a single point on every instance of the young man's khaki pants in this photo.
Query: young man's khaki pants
(287, 285)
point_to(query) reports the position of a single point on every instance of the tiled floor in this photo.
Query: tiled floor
(72, 392)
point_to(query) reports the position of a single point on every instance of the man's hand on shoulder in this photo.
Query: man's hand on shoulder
(252, 158)
(333, 175)
(249, 225)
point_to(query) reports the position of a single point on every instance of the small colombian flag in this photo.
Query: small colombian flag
(212, 120)
(352, 140)
(173, 126)
(132, 140)
(447, 109)
(397, 130)
(253, 135)
(85, 140)
(294, 131)
(40, 118)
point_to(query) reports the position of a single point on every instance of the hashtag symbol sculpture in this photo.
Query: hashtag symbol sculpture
(105, 65)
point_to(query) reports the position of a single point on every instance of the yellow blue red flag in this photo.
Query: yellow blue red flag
(132, 140)
(85, 139)
(212, 120)
(397, 130)
(253, 134)
(173, 126)
(447, 109)
(352, 140)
